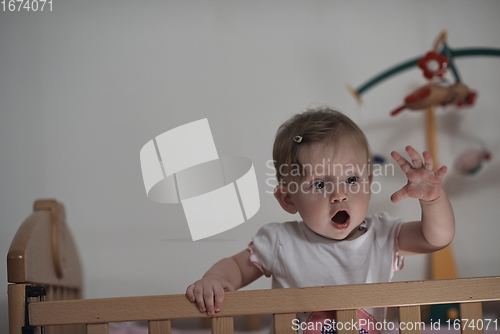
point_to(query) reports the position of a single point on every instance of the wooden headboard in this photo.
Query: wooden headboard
(43, 253)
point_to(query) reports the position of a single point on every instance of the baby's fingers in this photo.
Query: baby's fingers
(429, 163)
(399, 195)
(405, 165)
(190, 293)
(415, 157)
(199, 295)
(218, 298)
(208, 295)
(441, 171)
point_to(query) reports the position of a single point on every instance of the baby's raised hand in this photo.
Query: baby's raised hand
(208, 293)
(423, 183)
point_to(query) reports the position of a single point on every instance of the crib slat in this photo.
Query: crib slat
(470, 313)
(222, 325)
(159, 327)
(16, 307)
(52, 294)
(57, 293)
(79, 294)
(409, 320)
(347, 318)
(283, 323)
(97, 329)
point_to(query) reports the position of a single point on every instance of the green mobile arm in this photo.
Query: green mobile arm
(449, 53)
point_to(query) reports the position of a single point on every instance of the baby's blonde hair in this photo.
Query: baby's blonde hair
(312, 126)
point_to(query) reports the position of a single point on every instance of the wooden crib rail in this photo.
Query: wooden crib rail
(283, 303)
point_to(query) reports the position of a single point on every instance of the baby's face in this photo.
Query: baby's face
(333, 197)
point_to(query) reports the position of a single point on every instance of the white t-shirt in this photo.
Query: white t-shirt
(294, 256)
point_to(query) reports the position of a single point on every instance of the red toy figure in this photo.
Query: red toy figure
(435, 94)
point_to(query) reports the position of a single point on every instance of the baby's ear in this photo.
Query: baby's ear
(283, 196)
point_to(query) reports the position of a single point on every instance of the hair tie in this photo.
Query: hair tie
(297, 139)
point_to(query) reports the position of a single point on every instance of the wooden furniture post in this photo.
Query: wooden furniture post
(17, 305)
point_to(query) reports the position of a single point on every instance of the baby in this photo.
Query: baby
(322, 166)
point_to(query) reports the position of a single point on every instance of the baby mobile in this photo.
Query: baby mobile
(439, 92)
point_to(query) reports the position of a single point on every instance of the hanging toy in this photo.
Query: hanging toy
(471, 162)
(435, 94)
(433, 65)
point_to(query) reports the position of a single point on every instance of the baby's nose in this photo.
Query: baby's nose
(339, 199)
(338, 195)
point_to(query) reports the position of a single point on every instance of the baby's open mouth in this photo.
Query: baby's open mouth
(340, 217)
(341, 220)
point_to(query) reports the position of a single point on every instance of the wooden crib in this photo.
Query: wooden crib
(43, 254)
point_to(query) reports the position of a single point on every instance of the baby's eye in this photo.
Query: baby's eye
(319, 185)
(352, 179)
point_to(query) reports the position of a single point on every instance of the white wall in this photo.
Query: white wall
(84, 87)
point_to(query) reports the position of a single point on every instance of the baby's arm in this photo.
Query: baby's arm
(437, 226)
(228, 274)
